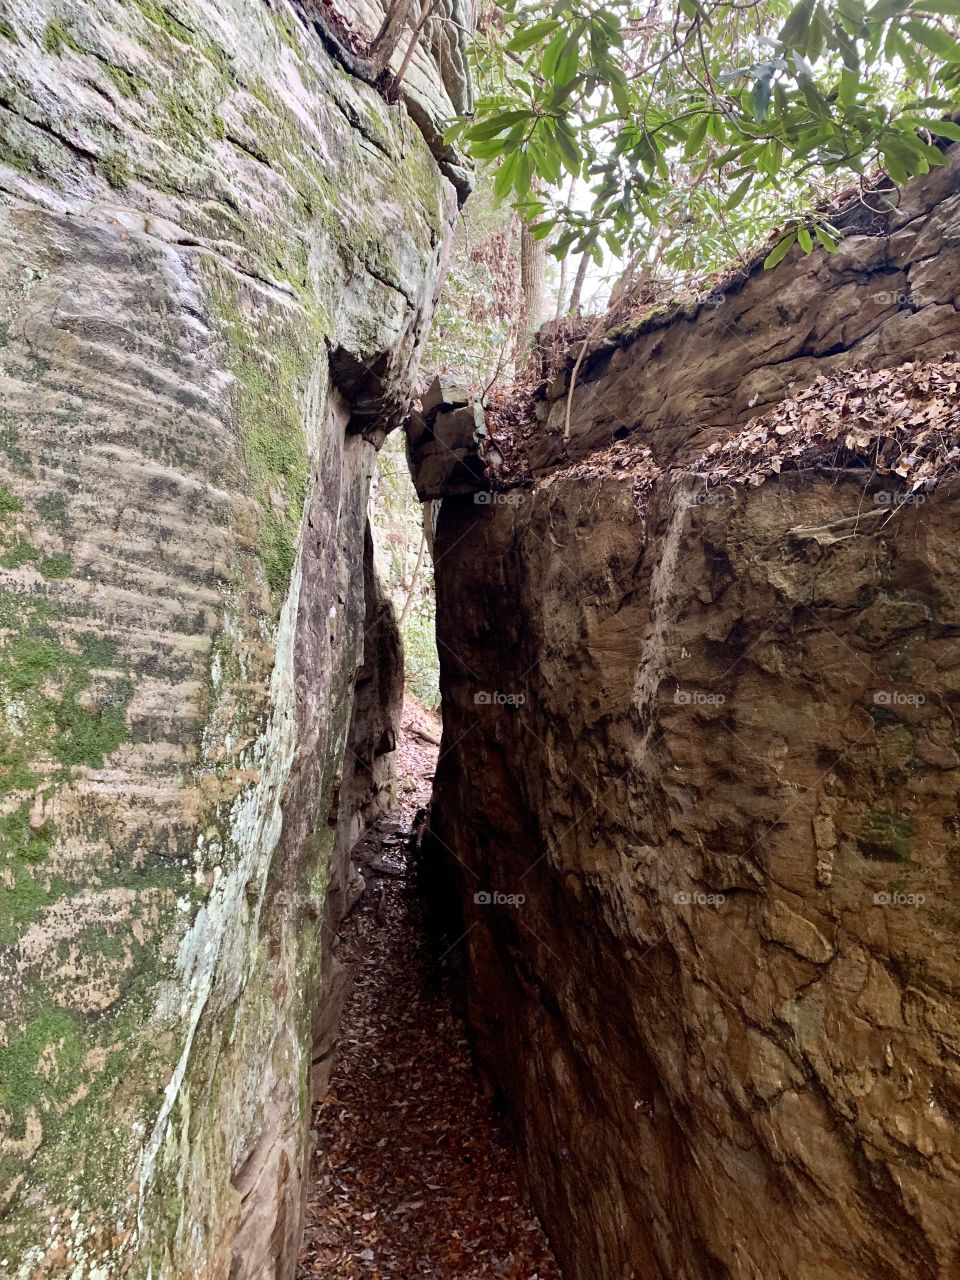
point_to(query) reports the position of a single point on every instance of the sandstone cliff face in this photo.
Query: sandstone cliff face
(213, 287)
(703, 745)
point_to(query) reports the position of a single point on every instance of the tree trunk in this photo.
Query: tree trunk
(426, 9)
(533, 278)
(371, 66)
(565, 262)
(561, 289)
(388, 37)
(578, 283)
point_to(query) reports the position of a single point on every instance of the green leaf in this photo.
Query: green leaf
(805, 239)
(847, 48)
(546, 153)
(772, 159)
(849, 84)
(490, 128)
(794, 30)
(569, 59)
(569, 152)
(894, 167)
(740, 192)
(801, 66)
(487, 150)
(552, 54)
(761, 99)
(934, 38)
(564, 241)
(696, 136)
(540, 230)
(506, 175)
(780, 249)
(884, 10)
(827, 240)
(621, 98)
(524, 174)
(817, 34)
(940, 128)
(533, 34)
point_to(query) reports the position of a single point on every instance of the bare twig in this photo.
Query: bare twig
(597, 327)
(426, 11)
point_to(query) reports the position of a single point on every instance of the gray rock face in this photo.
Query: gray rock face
(218, 257)
(436, 85)
(447, 445)
(698, 794)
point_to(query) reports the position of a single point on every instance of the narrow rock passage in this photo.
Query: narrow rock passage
(412, 1174)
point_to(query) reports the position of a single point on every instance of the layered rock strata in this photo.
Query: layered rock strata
(219, 256)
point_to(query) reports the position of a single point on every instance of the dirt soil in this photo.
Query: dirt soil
(412, 1174)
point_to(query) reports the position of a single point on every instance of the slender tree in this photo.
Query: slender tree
(533, 277)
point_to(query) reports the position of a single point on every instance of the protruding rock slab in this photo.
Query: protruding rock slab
(678, 379)
(447, 443)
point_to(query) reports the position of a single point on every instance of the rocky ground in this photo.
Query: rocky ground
(412, 1174)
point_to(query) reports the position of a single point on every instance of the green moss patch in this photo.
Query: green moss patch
(19, 839)
(15, 772)
(272, 362)
(115, 167)
(165, 21)
(8, 502)
(56, 567)
(29, 896)
(86, 737)
(52, 684)
(57, 37)
(129, 86)
(17, 457)
(41, 1064)
(886, 837)
(20, 553)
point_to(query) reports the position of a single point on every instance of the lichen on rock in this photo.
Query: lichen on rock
(214, 286)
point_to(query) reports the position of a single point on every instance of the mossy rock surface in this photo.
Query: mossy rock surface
(209, 217)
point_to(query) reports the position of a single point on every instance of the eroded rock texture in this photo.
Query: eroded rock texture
(706, 753)
(218, 255)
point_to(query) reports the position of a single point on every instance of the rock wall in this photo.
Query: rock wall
(218, 257)
(698, 791)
